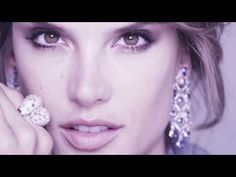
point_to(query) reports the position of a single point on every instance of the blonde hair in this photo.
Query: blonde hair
(202, 42)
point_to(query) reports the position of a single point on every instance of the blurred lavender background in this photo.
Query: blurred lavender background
(222, 138)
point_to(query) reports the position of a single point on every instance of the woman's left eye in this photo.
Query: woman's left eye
(48, 39)
(133, 42)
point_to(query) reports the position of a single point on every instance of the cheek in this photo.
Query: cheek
(42, 78)
(144, 90)
(35, 78)
(149, 102)
(50, 86)
(145, 82)
(37, 69)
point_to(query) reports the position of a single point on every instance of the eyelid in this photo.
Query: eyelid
(150, 36)
(140, 32)
(37, 31)
(39, 38)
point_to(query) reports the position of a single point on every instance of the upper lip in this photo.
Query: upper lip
(91, 123)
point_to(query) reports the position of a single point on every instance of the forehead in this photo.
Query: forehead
(96, 25)
(90, 26)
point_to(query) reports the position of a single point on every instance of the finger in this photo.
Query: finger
(26, 132)
(15, 96)
(10, 108)
(22, 128)
(44, 141)
(4, 126)
(7, 136)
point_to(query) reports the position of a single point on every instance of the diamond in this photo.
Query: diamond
(40, 116)
(32, 107)
(30, 103)
(180, 112)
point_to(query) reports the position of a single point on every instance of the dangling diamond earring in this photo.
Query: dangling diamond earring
(13, 82)
(180, 113)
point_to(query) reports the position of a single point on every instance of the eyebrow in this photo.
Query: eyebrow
(57, 27)
(131, 27)
(116, 31)
(135, 25)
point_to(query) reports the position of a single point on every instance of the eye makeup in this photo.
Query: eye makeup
(131, 39)
(45, 38)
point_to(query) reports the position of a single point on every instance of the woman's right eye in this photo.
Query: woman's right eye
(48, 39)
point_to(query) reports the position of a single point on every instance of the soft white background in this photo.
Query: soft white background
(222, 138)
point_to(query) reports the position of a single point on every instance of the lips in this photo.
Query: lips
(89, 135)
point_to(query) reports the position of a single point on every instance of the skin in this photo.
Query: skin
(90, 72)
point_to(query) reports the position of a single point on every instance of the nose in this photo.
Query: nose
(87, 85)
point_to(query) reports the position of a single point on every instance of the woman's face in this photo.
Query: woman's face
(108, 86)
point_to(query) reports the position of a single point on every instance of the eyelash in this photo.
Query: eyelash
(37, 32)
(143, 34)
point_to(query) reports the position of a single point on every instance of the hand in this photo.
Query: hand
(17, 134)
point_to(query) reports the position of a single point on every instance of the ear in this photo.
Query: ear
(10, 69)
(184, 61)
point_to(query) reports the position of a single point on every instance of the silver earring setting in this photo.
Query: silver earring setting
(180, 112)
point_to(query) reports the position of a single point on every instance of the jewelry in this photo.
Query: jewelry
(180, 113)
(32, 107)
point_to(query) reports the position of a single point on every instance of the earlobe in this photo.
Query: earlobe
(184, 61)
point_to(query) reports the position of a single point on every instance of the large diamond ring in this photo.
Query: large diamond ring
(32, 107)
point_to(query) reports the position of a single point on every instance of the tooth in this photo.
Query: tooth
(95, 129)
(83, 128)
(86, 129)
(103, 128)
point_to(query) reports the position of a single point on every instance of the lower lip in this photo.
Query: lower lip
(89, 141)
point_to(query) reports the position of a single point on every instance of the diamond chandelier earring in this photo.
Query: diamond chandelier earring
(180, 112)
